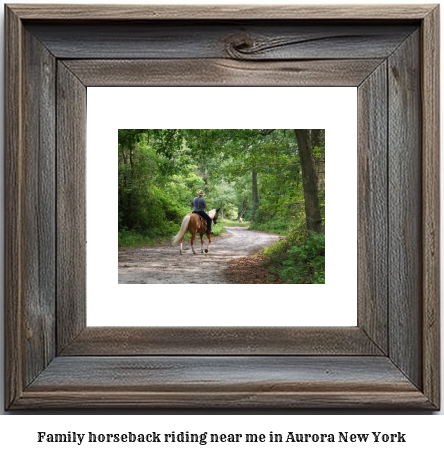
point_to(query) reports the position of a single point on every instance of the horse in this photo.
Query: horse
(194, 224)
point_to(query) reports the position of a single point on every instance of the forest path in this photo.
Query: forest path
(164, 264)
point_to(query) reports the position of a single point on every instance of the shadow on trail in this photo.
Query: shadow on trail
(164, 264)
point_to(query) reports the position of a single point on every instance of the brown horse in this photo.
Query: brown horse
(194, 224)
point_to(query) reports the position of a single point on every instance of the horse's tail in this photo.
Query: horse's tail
(183, 230)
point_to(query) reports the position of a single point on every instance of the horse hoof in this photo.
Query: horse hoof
(206, 250)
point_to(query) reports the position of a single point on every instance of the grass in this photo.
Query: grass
(135, 239)
(278, 225)
(226, 222)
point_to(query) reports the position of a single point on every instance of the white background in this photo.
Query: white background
(332, 304)
(18, 433)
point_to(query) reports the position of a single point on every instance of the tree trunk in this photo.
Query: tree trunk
(317, 138)
(205, 178)
(255, 201)
(309, 182)
(242, 211)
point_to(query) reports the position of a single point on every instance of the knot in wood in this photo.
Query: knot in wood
(239, 46)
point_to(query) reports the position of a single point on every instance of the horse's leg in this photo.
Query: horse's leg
(209, 242)
(193, 236)
(201, 243)
(181, 242)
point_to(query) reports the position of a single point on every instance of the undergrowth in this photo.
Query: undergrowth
(226, 222)
(278, 225)
(299, 258)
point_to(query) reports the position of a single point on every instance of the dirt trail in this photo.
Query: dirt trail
(164, 264)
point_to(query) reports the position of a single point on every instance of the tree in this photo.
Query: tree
(255, 194)
(266, 176)
(309, 182)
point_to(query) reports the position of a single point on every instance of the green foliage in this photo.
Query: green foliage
(218, 228)
(300, 257)
(306, 262)
(160, 171)
(278, 224)
(134, 239)
(151, 205)
(227, 222)
(296, 235)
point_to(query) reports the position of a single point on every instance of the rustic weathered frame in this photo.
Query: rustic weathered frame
(390, 360)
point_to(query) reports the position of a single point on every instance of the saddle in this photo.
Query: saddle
(204, 224)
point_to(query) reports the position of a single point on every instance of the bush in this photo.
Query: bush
(300, 258)
(133, 239)
(277, 224)
(218, 228)
(296, 235)
(306, 263)
(149, 236)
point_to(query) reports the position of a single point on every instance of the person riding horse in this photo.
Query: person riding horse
(199, 205)
(195, 224)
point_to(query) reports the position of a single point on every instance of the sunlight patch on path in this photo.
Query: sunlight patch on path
(157, 265)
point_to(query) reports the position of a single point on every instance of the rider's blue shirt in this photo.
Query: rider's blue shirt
(199, 204)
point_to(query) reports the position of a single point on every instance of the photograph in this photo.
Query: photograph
(221, 206)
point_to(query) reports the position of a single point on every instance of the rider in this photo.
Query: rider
(199, 205)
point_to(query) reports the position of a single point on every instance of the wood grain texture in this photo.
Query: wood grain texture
(246, 401)
(232, 382)
(209, 373)
(89, 374)
(233, 40)
(13, 209)
(431, 207)
(30, 190)
(221, 72)
(405, 209)
(372, 207)
(71, 206)
(39, 230)
(127, 341)
(220, 12)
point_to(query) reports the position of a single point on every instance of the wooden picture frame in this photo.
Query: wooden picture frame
(390, 360)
